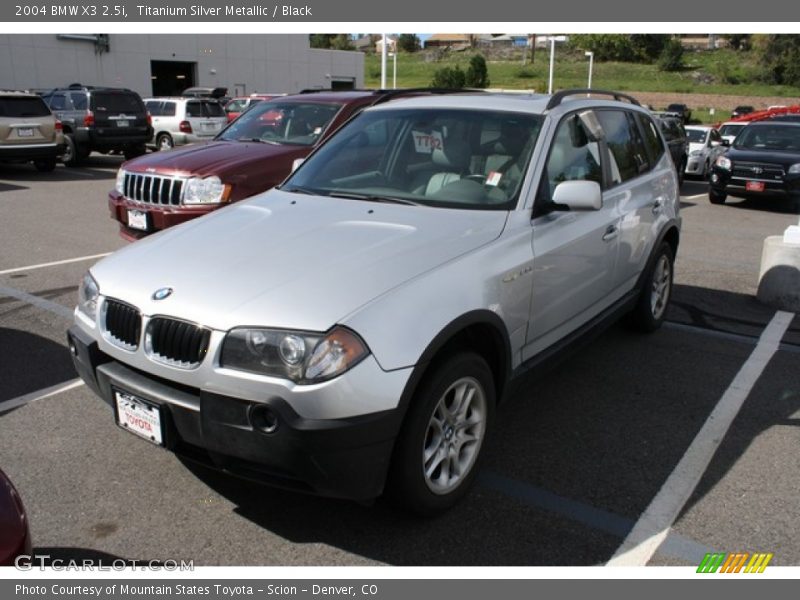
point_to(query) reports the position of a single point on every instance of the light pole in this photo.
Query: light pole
(591, 63)
(553, 39)
(383, 61)
(394, 68)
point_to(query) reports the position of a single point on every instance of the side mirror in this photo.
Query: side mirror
(726, 143)
(579, 195)
(717, 144)
(297, 162)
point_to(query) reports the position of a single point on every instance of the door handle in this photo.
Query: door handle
(657, 206)
(611, 233)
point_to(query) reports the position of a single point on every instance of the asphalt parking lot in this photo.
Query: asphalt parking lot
(580, 460)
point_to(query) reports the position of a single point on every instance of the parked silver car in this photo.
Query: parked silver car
(705, 145)
(180, 121)
(354, 329)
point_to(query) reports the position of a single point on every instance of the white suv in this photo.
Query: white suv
(353, 330)
(179, 121)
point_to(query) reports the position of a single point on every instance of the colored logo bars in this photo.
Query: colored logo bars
(735, 562)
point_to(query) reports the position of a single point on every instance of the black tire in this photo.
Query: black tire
(164, 142)
(716, 197)
(651, 308)
(45, 166)
(681, 173)
(72, 155)
(135, 151)
(408, 484)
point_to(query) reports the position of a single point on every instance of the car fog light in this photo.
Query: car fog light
(264, 419)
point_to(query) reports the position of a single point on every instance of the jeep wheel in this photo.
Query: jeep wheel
(164, 142)
(651, 307)
(716, 197)
(46, 165)
(71, 156)
(438, 451)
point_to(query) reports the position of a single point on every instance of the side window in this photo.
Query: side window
(573, 156)
(58, 102)
(167, 109)
(79, 101)
(651, 138)
(153, 107)
(626, 150)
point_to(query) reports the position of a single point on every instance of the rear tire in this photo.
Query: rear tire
(716, 197)
(45, 166)
(164, 142)
(651, 308)
(439, 447)
(71, 156)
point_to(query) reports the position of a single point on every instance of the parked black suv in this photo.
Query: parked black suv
(764, 161)
(101, 119)
(682, 110)
(675, 136)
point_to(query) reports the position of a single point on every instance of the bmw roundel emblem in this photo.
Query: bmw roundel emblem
(162, 293)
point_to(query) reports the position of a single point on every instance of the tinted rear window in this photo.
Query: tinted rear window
(23, 106)
(116, 102)
(213, 109)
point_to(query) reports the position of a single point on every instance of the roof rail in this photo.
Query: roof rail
(387, 95)
(556, 98)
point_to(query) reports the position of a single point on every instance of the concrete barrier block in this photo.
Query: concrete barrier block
(779, 279)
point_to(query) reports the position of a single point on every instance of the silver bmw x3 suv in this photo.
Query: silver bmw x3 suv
(352, 331)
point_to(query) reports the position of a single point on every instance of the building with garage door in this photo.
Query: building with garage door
(159, 65)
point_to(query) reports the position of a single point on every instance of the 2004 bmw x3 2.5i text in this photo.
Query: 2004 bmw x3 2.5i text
(353, 330)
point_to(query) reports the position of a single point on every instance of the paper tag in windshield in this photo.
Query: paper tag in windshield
(493, 178)
(426, 143)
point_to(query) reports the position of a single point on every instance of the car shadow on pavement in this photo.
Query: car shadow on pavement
(7, 187)
(92, 170)
(30, 362)
(579, 450)
(786, 206)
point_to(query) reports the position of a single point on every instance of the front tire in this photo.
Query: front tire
(439, 448)
(716, 197)
(651, 308)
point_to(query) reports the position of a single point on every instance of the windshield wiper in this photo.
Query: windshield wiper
(300, 190)
(259, 141)
(373, 198)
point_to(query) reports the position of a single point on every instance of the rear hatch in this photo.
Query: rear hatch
(119, 113)
(26, 120)
(207, 117)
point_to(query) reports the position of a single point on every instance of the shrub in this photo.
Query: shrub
(671, 58)
(448, 77)
(477, 75)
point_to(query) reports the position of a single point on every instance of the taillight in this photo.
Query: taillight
(88, 120)
(185, 127)
(59, 126)
(149, 119)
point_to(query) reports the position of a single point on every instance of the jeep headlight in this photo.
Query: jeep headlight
(300, 356)
(794, 169)
(208, 190)
(723, 162)
(88, 292)
(120, 185)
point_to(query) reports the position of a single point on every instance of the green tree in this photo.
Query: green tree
(671, 58)
(321, 40)
(408, 42)
(780, 57)
(342, 42)
(739, 41)
(448, 77)
(477, 75)
(624, 48)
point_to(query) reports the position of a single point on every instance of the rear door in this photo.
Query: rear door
(25, 120)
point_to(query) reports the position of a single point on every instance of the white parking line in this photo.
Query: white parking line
(655, 523)
(44, 304)
(53, 264)
(40, 394)
(695, 197)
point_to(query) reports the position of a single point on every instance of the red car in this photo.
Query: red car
(15, 537)
(253, 154)
(238, 105)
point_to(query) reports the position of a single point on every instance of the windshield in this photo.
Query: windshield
(769, 137)
(696, 136)
(730, 130)
(436, 157)
(290, 123)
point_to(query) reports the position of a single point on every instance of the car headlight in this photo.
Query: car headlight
(88, 292)
(208, 190)
(723, 162)
(794, 169)
(120, 185)
(300, 356)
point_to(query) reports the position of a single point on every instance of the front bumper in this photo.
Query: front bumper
(695, 165)
(723, 181)
(343, 457)
(159, 216)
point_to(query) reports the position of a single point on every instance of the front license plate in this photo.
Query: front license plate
(139, 416)
(25, 132)
(123, 123)
(137, 219)
(754, 186)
